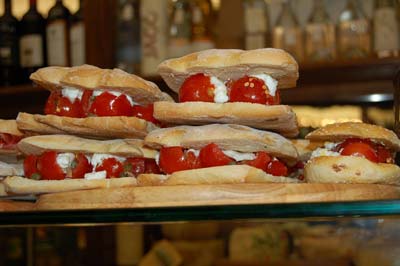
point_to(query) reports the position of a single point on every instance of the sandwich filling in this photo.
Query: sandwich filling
(174, 159)
(260, 88)
(366, 148)
(58, 166)
(9, 141)
(78, 103)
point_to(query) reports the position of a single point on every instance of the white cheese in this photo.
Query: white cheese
(64, 160)
(323, 152)
(115, 93)
(96, 175)
(330, 145)
(98, 158)
(220, 92)
(196, 152)
(271, 83)
(239, 156)
(157, 158)
(72, 93)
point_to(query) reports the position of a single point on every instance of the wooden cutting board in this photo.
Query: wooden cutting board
(198, 195)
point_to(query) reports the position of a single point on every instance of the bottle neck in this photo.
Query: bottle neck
(7, 6)
(32, 4)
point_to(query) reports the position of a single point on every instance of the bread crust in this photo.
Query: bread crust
(22, 185)
(10, 127)
(228, 174)
(341, 131)
(280, 118)
(9, 169)
(227, 137)
(66, 143)
(305, 147)
(350, 169)
(93, 78)
(231, 64)
(93, 127)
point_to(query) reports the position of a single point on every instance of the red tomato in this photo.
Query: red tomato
(261, 161)
(145, 112)
(107, 104)
(62, 106)
(211, 155)
(173, 159)
(134, 166)
(30, 166)
(277, 168)
(384, 155)
(112, 166)
(52, 102)
(151, 167)
(8, 141)
(86, 101)
(252, 90)
(48, 166)
(360, 149)
(81, 166)
(197, 88)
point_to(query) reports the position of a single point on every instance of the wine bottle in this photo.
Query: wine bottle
(77, 37)
(32, 41)
(180, 31)
(9, 61)
(256, 24)
(57, 36)
(201, 32)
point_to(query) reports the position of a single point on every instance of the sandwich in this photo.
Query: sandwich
(230, 86)
(9, 138)
(219, 154)
(56, 163)
(94, 102)
(354, 153)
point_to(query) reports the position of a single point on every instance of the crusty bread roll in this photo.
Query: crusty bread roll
(227, 174)
(228, 137)
(94, 127)
(350, 169)
(231, 64)
(94, 78)
(21, 185)
(280, 118)
(341, 131)
(10, 127)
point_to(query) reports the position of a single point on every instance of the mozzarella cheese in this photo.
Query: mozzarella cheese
(323, 152)
(239, 156)
(196, 152)
(271, 83)
(64, 160)
(116, 94)
(98, 158)
(72, 93)
(220, 92)
(96, 175)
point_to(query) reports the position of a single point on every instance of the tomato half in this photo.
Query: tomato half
(361, 149)
(145, 112)
(48, 166)
(173, 159)
(86, 101)
(81, 166)
(277, 168)
(107, 104)
(252, 90)
(30, 166)
(211, 155)
(197, 88)
(8, 141)
(134, 166)
(384, 155)
(112, 166)
(261, 161)
(151, 167)
(62, 106)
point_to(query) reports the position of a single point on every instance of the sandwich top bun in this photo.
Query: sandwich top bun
(93, 78)
(341, 131)
(227, 64)
(10, 127)
(228, 137)
(37, 145)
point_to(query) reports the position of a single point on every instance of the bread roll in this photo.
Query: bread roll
(10, 127)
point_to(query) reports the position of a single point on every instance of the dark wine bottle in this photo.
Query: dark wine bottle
(9, 61)
(77, 37)
(32, 41)
(57, 35)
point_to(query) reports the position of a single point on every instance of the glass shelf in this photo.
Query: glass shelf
(307, 211)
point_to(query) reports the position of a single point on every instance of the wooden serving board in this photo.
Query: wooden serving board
(229, 194)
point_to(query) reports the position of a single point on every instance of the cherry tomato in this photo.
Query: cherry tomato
(81, 166)
(107, 104)
(62, 106)
(52, 102)
(384, 155)
(197, 88)
(86, 101)
(277, 168)
(145, 112)
(8, 141)
(30, 166)
(48, 166)
(174, 159)
(252, 90)
(112, 166)
(151, 167)
(134, 166)
(360, 149)
(261, 161)
(211, 155)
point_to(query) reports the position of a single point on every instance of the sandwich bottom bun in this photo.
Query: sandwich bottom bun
(229, 174)
(279, 118)
(350, 169)
(98, 127)
(22, 185)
